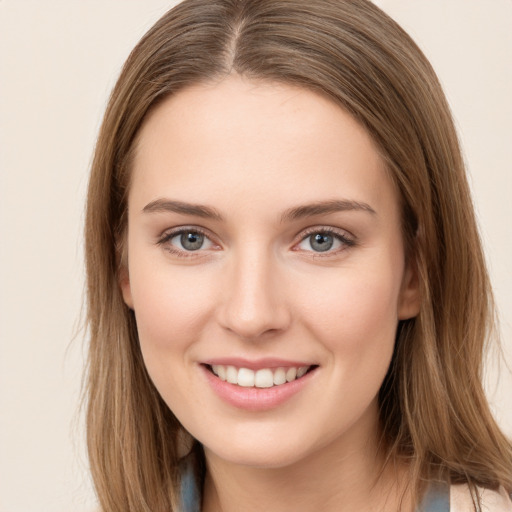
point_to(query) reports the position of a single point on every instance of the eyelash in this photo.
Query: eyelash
(346, 241)
(169, 235)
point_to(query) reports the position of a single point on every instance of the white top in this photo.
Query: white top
(492, 501)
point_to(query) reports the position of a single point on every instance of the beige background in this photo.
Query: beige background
(58, 62)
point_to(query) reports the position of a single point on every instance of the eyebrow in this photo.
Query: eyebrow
(167, 205)
(295, 213)
(325, 207)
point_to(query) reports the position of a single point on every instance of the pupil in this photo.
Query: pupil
(192, 241)
(321, 242)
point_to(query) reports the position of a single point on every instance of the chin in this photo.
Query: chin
(261, 457)
(262, 451)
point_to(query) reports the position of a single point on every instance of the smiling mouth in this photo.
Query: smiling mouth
(263, 378)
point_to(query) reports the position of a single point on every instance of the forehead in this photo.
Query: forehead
(257, 139)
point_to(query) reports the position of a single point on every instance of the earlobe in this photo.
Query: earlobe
(410, 297)
(124, 284)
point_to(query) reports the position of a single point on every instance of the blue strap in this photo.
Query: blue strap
(436, 499)
(189, 492)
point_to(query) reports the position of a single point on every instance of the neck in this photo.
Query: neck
(349, 474)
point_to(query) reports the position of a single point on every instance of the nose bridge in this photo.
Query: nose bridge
(255, 302)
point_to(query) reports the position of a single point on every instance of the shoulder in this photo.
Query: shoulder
(492, 501)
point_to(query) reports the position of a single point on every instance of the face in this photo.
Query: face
(265, 268)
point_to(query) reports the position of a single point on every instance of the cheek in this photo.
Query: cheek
(354, 313)
(356, 322)
(171, 308)
(170, 304)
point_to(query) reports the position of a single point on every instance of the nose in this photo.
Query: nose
(254, 304)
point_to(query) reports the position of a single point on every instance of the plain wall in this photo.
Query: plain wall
(58, 62)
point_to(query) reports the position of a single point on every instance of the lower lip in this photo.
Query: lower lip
(256, 399)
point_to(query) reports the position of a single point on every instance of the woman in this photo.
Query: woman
(287, 296)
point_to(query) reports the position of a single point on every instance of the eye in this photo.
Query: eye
(323, 241)
(190, 241)
(185, 240)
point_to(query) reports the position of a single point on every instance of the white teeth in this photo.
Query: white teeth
(221, 372)
(232, 375)
(279, 376)
(301, 371)
(291, 374)
(264, 378)
(246, 378)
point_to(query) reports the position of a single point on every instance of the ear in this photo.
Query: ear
(124, 284)
(409, 301)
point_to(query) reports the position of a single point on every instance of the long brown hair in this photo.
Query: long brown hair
(434, 413)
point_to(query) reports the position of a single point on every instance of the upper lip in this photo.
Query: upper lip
(256, 364)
